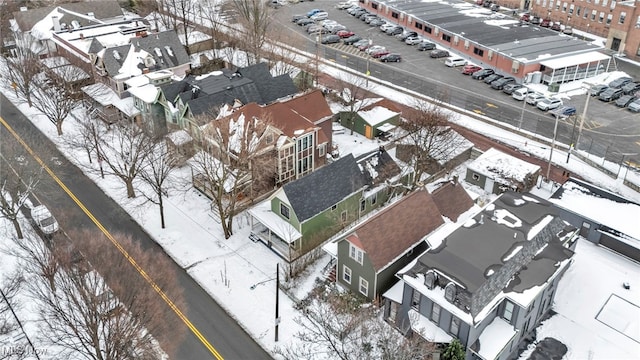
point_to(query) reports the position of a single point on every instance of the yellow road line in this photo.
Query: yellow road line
(118, 246)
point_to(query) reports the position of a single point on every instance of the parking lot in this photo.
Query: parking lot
(608, 129)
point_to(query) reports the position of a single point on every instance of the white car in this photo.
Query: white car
(374, 48)
(412, 40)
(319, 16)
(386, 26)
(548, 104)
(533, 98)
(327, 22)
(345, 5)
(44, 220)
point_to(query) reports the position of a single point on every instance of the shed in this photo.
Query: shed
(496, 172)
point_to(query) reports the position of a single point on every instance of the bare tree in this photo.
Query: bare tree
(339, 325)
(107, 315)
(255, 17)
(161, 163)
(232, 164)
(17, 182)
(352, 96)
(175, 15)
(429, 138)
(90, 131)
(23, 67)
(124, 152)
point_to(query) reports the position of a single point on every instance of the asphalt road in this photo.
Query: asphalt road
(608, 130)
(222, 331)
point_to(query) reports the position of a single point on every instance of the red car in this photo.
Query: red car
(545, 23)
(379, 53)
(345, 34)
(470, 69)
(525, 17)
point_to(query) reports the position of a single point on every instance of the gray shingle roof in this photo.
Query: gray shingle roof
(112, 64)
(176, 57)
(325, 187)
(102, 9)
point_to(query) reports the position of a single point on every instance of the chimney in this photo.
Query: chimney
(455, 180)
(81, 36)
(56, 23)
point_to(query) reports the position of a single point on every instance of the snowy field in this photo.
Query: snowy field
(228, 268)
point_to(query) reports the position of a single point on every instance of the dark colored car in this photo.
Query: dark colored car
(351, 40)
(535, 20)
(470, 69)
(500, 83)
(438, 53)
(510, 88)
(369, 19)
(405, 34)
(481, 74)
(364, 15)
(625, 100)
(296, 18)
(610, 94)
(379, 53)
(564, 111)
(376, 22)
(425, 45)
(620, 82)
(361, 42)
(597, 89)
(330, 39)
(525, 17)
(491, 78)
(631, 88)
(555, 26)
(305, 21)
(545, 23)
(391, 58)
(395, 30)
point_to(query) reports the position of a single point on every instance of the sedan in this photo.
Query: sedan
(625, 100)
(296, 18)
(500, 83)
(597, 89)
(361, 42)
(631, 88)
(405, 34)
(344, 5)
(481, 74)
(330, 39)
(620, 82)
(376, 22)
(510, 88)
(470, 69)
(391, 58)
(439, 53)
(412, 40)
(395, 30)
(491, 78)
(425, 45)
(345, 33)
(379, 53)
(548, 104)
(564, 111)
(373, 48)
(365, 46)
(533, 98)
(305, 21)
(351, 40)
(335, 28)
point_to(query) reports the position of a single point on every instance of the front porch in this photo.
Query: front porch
(268, 228)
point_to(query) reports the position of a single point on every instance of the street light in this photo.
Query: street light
(368, 73)
(277, 279)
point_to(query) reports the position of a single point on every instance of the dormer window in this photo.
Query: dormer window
(450, 292)
(430, 279)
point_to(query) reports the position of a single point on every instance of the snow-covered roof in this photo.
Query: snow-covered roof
(427, 329)
(395, 293)
(494, 338)
(573, 60)
(262, 212)
(622, 217)
(500, 166)
(376, 115)
(126, 106)
(42, 29)
(147, 93)
(101, 93)
(179, 137)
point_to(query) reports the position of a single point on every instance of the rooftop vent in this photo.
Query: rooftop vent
(75, 24)
(116, 55)
(158, 52)
(169, 51)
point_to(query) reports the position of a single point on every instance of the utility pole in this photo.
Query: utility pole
(277, 296)
(553, 145)
(584, 113)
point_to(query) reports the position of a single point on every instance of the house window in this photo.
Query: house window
(609, 18)
(363, 205)
(435, 313)
(507, 314)
(427, 29)
(623, 16)
(593, 15)
(415, 299)
(418, 25)
(450, 292)
(374, 6)
(475, 177)
(578, 11)
(586, 13)
(604, 2)
(364, 287)
(571, 8)
(430, 279)
(613, 5)
(321, 150)
(638, 51)
(564, 7)
(478, 51)
(601, 17)
(454, 327)
(446, 37)
(284, 211)
(346, 274)
(394, 15)
(374, 198)
(269, 139)
(334, 207)
(558, 5)
(343, 216)
(355, 253)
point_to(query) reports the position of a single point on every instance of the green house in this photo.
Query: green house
(370, 120)
(304, 213)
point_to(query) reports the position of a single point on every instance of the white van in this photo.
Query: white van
(453, 62)
(521, 94)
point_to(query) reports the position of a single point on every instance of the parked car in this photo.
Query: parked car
(597, 89)
(330, 39)
(370, 19)
(535, 20)
(634, 106)
(295, 18)
(426, 45)
(470, 69)
(610, 94)
(351, 40)
(313, 12)
(625, 100)
(631, 88)
(379, 53)
(511, 87)
(374, 48)
(395, 30)
(361, 42)
(555, 26)
(564, 111)
(319, 16)
(438, 53)
(413, 40)
(405, 34)
(481, 74)
(377, 22)
(353, 9)
(491, 78)
(534, 97)
(568, 30)
(454, 62)
(386, 26)
(549, 104)
(305, 21)
(364, 15)
(545, 23)
(44, 220)
(345, 33)
(525, 17)
(391, 58)
(365, 46)
(522, 93)
(317, 29)
(620, 82)
(334, 28)
(358, 12)
(500, 83)
(344, 5)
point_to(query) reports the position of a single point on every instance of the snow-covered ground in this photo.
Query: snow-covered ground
(228, 268)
